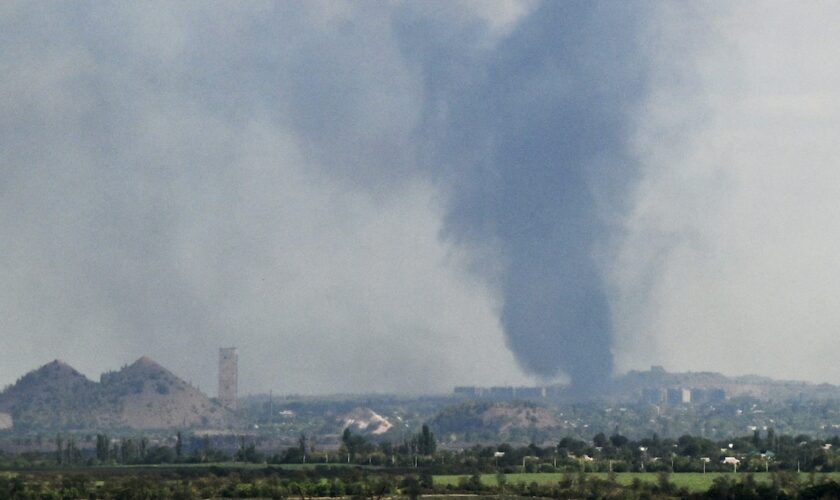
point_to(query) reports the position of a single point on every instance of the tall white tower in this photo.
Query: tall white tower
(228, 377)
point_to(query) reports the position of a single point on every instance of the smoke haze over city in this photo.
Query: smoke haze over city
(395, 196)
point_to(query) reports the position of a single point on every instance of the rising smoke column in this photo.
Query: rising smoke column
(259, 175)
(534, 138)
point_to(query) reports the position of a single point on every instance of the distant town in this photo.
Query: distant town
(147, 396)
(645, 421)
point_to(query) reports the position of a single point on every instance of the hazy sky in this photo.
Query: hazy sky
(382, 196)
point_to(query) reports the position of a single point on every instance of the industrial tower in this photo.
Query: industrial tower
(228, 374)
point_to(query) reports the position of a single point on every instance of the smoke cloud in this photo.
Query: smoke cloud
(534, 143)
(178, 178)
(728, 255)
(404, 197)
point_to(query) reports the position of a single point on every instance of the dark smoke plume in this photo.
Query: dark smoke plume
(536, 139)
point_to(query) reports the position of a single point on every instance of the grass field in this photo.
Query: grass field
(693, 481)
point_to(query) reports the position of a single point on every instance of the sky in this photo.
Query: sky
(398, 196)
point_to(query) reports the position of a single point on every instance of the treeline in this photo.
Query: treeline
(760, 452)
(131, 451)
(194, 484)
(355, 449)
(343, 482)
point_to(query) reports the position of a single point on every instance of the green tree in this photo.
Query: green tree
(144, 445)
(501, 480)
(128, 451)
(353, 444)
(302, 445)
(102, 447)
(618, 440)
(426, 444)
(410, 486)
(72, 454)
(59, 449)
(600, 440)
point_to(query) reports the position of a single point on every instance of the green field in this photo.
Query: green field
(693, 481)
